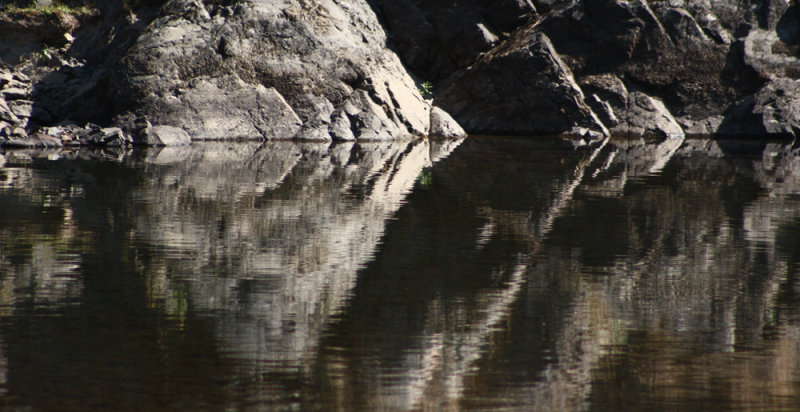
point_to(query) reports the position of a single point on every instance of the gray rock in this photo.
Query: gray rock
(14, 93)
(21, 77)
(521, 87)
(227, 108)
(777, 107)
(15, 133)
(773, 109)
(340, 127)
(265, 70)
(771, 46)
(161, 135)
(34, 140)
(22, 108)
(647, 116)
(2, 160)
(7, 115)
(369, 121)
(443, 125)
(109, 136)
(5, 78)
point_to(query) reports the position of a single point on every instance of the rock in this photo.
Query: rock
(340, 128)
(162, 135)
(771, 47)
(23, 32)
(14, 93)
(22, 108)
(109, 136)
(2, 161)
(68, 134)
(443, 125)
(647, 116)
(22, 77)
(435, 38)
(227, 108)
(521, 87)
(5, 78)
(261, 69)
(7, 115)
(34, 140)
(14, 133)
(368, 120)
(772, 110)
(776, 106)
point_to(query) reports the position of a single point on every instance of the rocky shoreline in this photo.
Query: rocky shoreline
(159, 72)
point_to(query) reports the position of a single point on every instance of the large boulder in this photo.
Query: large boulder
(773, 110)
(522, 87)
(697, 67)
(274, 70)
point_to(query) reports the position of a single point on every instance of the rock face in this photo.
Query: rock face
(678, 67)
(438, 37)
(267, 69)
(517, 89)
(326, 70)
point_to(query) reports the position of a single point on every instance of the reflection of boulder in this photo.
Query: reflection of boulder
(278, 232)
(663, 254)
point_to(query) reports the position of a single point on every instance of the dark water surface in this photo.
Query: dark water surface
(468, 275)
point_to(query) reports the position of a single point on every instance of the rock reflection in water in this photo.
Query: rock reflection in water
(514, 274)
(566, 257)
(276, 234)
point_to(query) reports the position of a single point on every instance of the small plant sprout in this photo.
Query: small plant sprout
(46, 54)
(426, 90)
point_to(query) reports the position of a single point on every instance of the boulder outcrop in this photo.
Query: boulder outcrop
(264, 69)
(328, 70)
(680, 67)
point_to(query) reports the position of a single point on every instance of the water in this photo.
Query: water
(484, 274)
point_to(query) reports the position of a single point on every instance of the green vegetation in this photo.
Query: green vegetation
(425, 178)
(55, 7)
(46, 54)
(426, 90)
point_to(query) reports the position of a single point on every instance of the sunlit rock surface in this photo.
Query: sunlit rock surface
(270, 70)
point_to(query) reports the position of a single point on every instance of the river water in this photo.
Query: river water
(483, 274)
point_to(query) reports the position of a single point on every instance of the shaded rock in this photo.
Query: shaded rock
(161, 135)
(34, 140)
(777, 107)
(773, 110)
(435, 38)
(443, 125)
(646, 116)
(109, 136)
(520, 87)
(23, 32)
